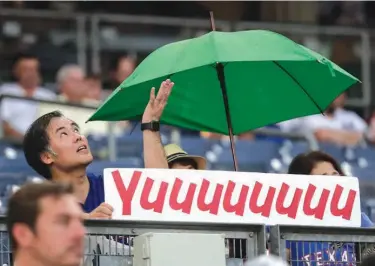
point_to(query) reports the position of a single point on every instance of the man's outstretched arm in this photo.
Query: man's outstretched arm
(153, 151)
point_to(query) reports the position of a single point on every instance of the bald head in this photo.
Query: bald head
(70, 79)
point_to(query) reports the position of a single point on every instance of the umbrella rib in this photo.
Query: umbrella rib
(299, 84)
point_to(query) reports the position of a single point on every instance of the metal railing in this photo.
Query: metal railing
(110, 242)
(359, 242)
(96, 34)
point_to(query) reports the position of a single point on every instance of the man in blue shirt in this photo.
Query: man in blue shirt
(55, 148)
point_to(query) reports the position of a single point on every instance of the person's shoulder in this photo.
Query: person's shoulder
(11, 88)
(94, 177)
(44, 93)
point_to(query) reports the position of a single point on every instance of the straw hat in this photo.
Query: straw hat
(174, 152)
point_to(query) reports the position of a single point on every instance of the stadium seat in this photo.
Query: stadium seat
(365, 152)
(18, 165)
(298, 147)
(335, 151)
(197, 146)
(97, 167)
(252, 156)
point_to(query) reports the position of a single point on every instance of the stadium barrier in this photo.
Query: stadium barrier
(109, 242)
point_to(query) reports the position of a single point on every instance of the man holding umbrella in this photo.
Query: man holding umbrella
(55, 148)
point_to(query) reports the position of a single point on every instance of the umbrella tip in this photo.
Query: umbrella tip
(212, 21)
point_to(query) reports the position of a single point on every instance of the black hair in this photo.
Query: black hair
(36, 142)
(24, 56)
(184, 162)
(304, 163)
(23, 206)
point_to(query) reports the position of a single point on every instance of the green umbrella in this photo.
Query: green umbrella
(231, 82)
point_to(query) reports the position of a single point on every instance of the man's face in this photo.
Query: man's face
(74, 86)
(27, 72)
(94, 89)
(125, 68)
(69, 148)
(59, 232)
(339, 102)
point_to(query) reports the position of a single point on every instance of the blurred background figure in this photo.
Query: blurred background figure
(38, 215)
(16, 114)
(120, 68)
(70, 80)
(338, 125)
(94, 90)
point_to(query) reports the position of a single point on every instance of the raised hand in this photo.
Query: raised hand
(156, 105)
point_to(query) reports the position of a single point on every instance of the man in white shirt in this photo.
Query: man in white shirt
(337, 125)
(17, 115)
(71, 83)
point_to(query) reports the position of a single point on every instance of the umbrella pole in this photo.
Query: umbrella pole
(221, 77)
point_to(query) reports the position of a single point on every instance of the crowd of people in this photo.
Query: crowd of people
(73, 86)
(55, 148)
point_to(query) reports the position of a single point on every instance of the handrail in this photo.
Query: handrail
(172, 21)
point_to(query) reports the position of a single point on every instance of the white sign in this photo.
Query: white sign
(232, 197)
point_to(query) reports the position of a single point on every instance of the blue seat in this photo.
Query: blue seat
(252, 156)
(367, 152)
(129, 147)
(9, 179)
(298, 147)
(18, 165)
(197, 146)
(335, 151)
(126, 145)
(364, 174)
(97, 167)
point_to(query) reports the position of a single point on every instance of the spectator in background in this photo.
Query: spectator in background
(337, 125)
(17, 115)
(302, 253)
(121, 68)
(93, 89)
(45, 225)
(71, 84)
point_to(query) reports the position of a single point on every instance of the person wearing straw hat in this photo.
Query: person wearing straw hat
(177, 158)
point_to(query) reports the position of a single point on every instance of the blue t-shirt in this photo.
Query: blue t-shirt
(96, 193)
(324, 253)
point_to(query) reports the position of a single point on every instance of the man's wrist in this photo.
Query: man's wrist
(153, 126)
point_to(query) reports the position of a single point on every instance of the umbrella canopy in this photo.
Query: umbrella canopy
(268, 77)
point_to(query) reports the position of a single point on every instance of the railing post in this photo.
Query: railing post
(274, 246)
(81, 42)
(366, 69)
(95, 44)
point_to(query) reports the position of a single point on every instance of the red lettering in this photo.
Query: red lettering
(346, 211)
(264, 209)
(239, 207)
(185, 205)
(291, 210)
(318, 211)
(126, 195)
(158, 204)
(213, 206)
